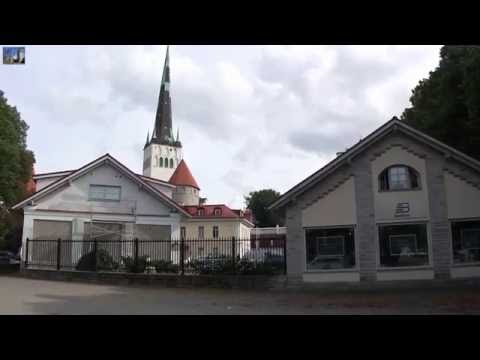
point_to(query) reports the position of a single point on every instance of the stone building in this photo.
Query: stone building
(396, 205)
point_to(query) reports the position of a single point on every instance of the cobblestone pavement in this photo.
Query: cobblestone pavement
(29, 296)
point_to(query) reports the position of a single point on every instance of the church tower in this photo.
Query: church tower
(162, 152)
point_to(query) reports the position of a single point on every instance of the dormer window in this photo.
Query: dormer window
(217, 212)
(200, 212)
(398, 177)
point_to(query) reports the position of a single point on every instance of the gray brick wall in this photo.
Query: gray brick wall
(365, 232)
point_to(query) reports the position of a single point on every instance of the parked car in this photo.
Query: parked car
(9, 258)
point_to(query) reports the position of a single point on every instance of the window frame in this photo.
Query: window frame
(430, 264)
(201, 232)
(410, 170)
(90, 198)
(213, 232)
(219, 211)
(452, 253)
(355, 268)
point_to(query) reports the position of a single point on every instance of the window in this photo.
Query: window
(330, 248)
(200, 233)
(398, 177)
(403, 245)
(166, 162)
(217, 212)
(466, 241)
(215, 232)
(161, 162)
(104, 193)
(183, 232)
(171, 163)
(201, 212)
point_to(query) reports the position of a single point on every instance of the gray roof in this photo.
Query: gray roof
(162, 132)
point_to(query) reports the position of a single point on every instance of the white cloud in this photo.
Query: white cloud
(251, 117)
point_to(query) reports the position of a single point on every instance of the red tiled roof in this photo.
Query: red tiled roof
(209, 211)
(183, 177)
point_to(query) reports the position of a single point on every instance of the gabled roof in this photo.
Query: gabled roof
(393, 125)
(183, 177)
(225, 212)
(57, 174)
(105, 159)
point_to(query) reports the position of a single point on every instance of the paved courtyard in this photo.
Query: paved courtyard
(28, 296)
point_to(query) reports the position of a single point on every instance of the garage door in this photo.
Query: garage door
(154, 241)
(43, 250)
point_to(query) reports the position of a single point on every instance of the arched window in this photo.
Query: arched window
(171, 163)
(161, 162)
(166, 162)
(398, 177)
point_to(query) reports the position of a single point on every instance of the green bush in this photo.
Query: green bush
(104, 261)
(164, 266)
(129, 264)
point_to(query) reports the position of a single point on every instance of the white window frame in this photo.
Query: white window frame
(396, 268)
(91, 198)
(416, 252)
(355, 268)
(201, 232)
(213, 232)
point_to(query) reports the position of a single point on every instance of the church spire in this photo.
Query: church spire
(162, 132)
(148, 138)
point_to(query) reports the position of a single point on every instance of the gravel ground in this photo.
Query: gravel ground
(28, 296)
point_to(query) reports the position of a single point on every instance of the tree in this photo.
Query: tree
(258, 202)
(16, 164)
(446, 105)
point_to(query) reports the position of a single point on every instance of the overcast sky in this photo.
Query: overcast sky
(250, 117)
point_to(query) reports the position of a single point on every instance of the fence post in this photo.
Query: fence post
(59, 252)
(182, 260)
(284, 255)
(95, 246)
(26, 254)
(136, 254)
(233, 254)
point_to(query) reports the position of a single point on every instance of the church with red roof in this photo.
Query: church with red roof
(163, 160)
(106, 200)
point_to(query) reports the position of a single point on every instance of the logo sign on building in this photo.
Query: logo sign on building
(402, 209)
(13, 55)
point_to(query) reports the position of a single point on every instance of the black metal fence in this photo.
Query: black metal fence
(184, 256)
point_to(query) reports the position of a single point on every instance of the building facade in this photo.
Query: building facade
(396, 205)
(107, 201)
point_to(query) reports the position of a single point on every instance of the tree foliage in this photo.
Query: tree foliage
(15, 170)
(446, 105)
(258, 202)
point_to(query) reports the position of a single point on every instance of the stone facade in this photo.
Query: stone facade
(359, 167)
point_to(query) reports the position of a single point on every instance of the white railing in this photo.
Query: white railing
(269, 231)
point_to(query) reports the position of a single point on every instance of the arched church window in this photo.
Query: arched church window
(171, 163)
(166, 162)
(161, 162)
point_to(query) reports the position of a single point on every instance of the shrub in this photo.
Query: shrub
(164, 266)
(104, 261)
(129, 264)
